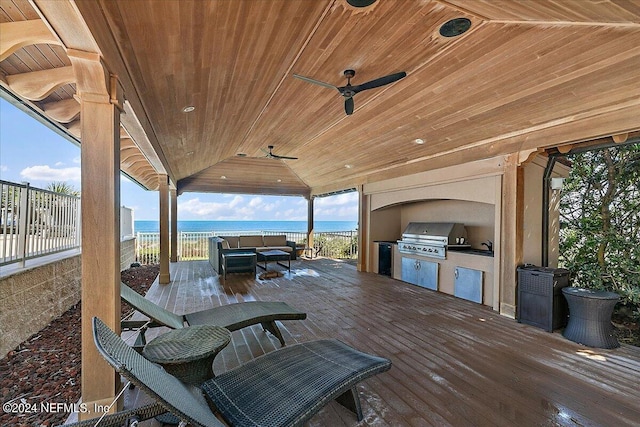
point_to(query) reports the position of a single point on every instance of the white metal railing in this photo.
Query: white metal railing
(194, 245)
(36, 222)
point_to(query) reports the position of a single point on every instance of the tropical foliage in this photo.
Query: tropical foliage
(600, 222)
(63, 188)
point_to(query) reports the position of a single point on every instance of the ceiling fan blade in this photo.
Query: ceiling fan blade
(275, 156)
(348, 106)
(316, 82)
(379, 82)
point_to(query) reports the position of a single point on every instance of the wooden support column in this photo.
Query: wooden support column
(510, 247)
(310, 223)
(174, 224)
(164, 276)
(99, 94)
(363, 229)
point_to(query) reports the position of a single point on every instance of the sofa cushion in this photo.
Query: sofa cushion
(280, 240)
(233, 241)
(251, 242)
(225, 244)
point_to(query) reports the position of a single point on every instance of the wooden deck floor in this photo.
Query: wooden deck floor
(454, 362)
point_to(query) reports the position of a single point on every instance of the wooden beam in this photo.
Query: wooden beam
(100, 155)
(174, 224)
(509, 249)
(526, 156)
(37, 85)
(564, 149)
(163, 185)
(310, 224)
(63, 111)
(622, 137)
(16, 35)
(363, 229)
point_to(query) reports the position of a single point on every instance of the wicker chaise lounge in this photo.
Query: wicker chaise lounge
(285, 387)
(231, 316)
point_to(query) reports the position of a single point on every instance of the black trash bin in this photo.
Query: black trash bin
(540, 299)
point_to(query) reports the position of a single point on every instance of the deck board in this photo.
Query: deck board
(454, 362)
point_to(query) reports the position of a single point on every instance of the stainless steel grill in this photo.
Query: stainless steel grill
(431, 238)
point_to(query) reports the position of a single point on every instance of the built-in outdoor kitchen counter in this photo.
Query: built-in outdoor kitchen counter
(440, 259)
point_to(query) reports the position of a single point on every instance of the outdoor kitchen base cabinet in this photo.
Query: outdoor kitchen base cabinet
(468, 284)
(420, 272)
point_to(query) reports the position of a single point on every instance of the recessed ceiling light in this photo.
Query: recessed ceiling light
(279, 180)
(189, 153)
(418, 141)
(188, 109)
(223, 177)
(455, 27)
(348, 166)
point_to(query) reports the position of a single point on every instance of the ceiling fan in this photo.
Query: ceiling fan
(348, 91)
(270, 154)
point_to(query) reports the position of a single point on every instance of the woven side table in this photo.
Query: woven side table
(590, 317)
(188, 355)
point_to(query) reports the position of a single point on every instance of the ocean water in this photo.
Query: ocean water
(218, 226)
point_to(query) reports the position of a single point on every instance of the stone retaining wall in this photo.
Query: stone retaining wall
(127, 253)
(31, 298)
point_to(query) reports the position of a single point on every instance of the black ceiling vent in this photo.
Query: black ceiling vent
(361, 3)
(455, 27)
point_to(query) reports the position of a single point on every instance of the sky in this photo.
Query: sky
(31, 152)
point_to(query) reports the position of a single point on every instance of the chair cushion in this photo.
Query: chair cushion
(225, 244)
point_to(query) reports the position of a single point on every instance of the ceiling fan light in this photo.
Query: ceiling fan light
(455, 27)
(361, 3)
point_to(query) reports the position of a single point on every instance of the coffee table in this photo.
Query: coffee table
(274, 255)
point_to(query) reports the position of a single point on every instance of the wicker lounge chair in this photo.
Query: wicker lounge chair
(231, 316)
(285, 387)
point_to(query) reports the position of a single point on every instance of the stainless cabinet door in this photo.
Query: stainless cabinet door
(468, 284)
(409, 270)
(428, 275)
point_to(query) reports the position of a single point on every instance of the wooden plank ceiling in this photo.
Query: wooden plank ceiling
(528, 75)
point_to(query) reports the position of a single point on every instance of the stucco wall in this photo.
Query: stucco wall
(32, 297)
(480, 195)
(478, 218)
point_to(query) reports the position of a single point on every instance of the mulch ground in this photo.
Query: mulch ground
(45, 369)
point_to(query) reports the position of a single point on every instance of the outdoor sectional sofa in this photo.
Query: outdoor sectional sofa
(259, 243)
(249, 243)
